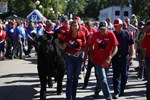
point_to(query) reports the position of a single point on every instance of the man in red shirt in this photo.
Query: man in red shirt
(82, 27)
(103, 47)
(90, 64)
(64, 29)
(146, 57)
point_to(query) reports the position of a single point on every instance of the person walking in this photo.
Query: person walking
(122, 59)
(110, 25)
(17, 41)
(31, 42)
(90, 64)
(103, 47)
(146, 57)
(74, 43)
(9, 38)
(2, 42)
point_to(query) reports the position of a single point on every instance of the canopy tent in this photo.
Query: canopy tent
(35, 15)
(12, 17)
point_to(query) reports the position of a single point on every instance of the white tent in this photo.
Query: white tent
(36, 15)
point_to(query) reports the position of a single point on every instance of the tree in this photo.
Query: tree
(139, 6)
(82, 8)
(23, 7)
(75, 7)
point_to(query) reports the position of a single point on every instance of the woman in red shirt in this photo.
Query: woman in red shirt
(74, 43)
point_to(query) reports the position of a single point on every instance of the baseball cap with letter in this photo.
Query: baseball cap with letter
(103, 25)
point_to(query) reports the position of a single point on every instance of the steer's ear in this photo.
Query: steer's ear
(56, 33)
(34, 34)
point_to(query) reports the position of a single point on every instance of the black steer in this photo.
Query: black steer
(50, 63)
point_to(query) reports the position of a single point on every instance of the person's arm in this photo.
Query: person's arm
(83, 48)
(61, 46)
(19, 39)
(131, 47)
(115, 50)
(108, 60)
(1, 33)
(143, 54)
(91, 52)
(29, 37)
(143, 57)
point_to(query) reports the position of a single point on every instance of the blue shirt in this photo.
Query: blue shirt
(22, 33)
(125, 39)
(30, 31)
(10, 32)
(40, 31)
(16, 34)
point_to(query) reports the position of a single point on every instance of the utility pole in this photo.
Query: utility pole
(57, 9)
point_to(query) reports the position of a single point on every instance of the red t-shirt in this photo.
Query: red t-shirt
(63, 31)
(103, 46)
(85, 31)
(90, 36)
(75, 44)
(146, 44)
(3, 36)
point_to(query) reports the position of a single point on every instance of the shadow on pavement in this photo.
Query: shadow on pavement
(31, 60)
(17, 92)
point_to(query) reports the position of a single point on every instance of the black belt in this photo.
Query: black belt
(74, 55)
(119, 56)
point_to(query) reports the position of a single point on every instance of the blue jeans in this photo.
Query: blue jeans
(2, 46)
(148, 78)
(88, 72)
(102, 81)
(120, 73)
(73, 65)
(30, 44)
(16, 48)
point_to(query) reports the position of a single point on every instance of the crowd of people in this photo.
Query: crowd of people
(89, 44)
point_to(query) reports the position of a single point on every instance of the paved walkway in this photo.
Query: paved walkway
(19, 81)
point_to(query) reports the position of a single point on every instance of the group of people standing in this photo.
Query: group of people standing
(102, 45)
(18, 40)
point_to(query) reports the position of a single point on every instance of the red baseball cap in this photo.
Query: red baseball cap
(117, 22)
(127, 20)
(77, 18)
(57, 22)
